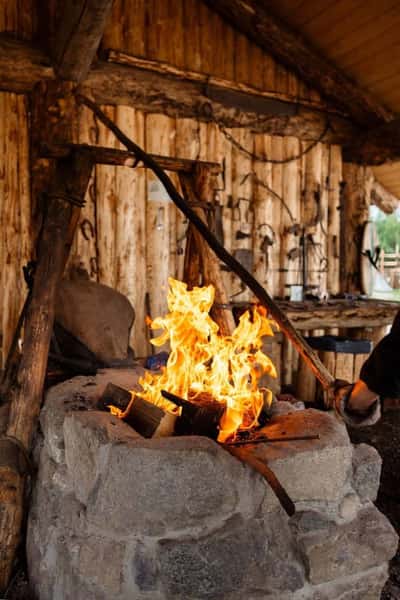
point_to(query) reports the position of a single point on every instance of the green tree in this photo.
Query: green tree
(388, 229)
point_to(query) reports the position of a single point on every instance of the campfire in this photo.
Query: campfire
(212, 376)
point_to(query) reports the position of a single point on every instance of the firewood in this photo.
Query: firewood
(201, 417)
(146, 418)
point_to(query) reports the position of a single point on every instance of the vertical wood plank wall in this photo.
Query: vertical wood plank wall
(15, 213)
(130, 236)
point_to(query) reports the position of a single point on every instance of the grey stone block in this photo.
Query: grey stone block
(99, 562)
(310, 470)
(241, 556)
(361, 586)
(78, 394)
(170, 484)
(367, 465)
(335, 551)
(87, 438)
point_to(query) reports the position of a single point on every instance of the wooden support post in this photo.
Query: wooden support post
(198, 188)
(71, 179)
(356, 201)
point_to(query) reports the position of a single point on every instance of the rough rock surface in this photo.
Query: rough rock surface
(115, 515)
(97, 315)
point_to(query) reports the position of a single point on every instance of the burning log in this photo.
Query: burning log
(197, 418)
(146, 418)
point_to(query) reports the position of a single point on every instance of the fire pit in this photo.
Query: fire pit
(118, 515)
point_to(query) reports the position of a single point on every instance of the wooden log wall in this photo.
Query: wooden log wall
(130, 235)
(187, 34)
(15, 214)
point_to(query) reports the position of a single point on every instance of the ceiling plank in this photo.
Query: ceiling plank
(288, 47)
(81, 27)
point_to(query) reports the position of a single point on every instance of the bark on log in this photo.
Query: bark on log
(22, 66)
(71, 181)
(152, 92)
(275, 312)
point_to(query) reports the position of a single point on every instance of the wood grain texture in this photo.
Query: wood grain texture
(79, 32)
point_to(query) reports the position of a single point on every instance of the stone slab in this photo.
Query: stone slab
(171, 484)
(310, 470)
(367, 466)
(332, 551)
(77, 394)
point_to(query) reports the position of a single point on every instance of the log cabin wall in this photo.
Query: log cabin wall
(130, 236)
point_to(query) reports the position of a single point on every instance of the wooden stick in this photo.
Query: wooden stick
(123, 158)
(197, 188)
(298, 341)
(72, 177)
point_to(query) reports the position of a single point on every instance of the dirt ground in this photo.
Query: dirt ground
(385, 436)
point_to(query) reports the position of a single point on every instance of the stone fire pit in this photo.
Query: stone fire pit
(118, 516)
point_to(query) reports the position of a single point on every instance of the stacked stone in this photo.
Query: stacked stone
(118, 516)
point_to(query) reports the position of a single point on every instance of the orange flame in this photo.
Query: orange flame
(203, 361)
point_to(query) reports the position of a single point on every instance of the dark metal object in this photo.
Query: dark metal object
(263, 439)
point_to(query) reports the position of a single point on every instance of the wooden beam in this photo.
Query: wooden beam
(384, 199)
(72, 177)
(122, 58)
(176, 97)
(80, 29)
(288, 47)
(23, 66)
(377, 146)
(124, 158)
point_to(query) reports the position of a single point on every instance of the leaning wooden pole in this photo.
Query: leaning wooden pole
(309, 356)
(197, 190)
(66, 194)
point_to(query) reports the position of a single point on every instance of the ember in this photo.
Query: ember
(204, 362)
